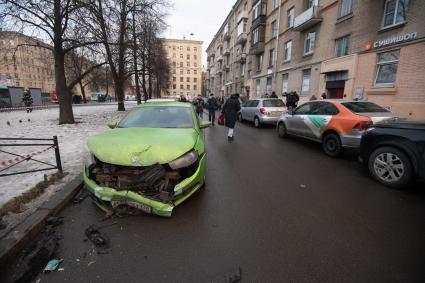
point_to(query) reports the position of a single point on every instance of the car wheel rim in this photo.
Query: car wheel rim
(256, 122)
(331, 145)
(388, 167)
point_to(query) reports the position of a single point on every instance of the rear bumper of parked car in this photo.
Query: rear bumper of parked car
(269, 119)
(351, 140)
(182, 191)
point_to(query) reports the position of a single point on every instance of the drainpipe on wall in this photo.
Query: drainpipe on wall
(277, 49)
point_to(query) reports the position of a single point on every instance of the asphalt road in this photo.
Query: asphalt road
(278, 210)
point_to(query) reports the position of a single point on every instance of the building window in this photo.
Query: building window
(188, 49)
(195, 80)
(259, 9)
(341, 46)
(256, 36)
(305, 88)
(276, 4)
(181, 56)
(386, 71)
(181, 79)
(188, 87)
(241, 28)
(395, 12)
(195, 49)
(174, 79)
(174, 86)
(181, 71)
(272, 57)
(288, 51)
(258, 87)
(181, 64)
(290, 18)
(310, 41)
(195, 65)
(181, 87)
(274, 29)
(187, 57)
(269, 85)
(259, 62)
(346, 7)
(195, 87)
(188, 71)
(285, 78)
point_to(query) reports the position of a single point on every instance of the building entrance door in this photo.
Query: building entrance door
(335, 89)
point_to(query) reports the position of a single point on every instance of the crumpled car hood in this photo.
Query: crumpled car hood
(142, 146)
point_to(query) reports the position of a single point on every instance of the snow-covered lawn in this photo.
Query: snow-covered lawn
(44, 124)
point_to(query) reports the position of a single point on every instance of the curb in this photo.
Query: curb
(19, 237)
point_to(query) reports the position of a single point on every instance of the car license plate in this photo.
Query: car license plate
(276, 113)
(141, 206)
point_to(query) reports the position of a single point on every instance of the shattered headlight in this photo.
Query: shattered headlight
(184, 161)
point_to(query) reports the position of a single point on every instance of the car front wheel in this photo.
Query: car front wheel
(281, 130)
(391, 167)
(332, 145)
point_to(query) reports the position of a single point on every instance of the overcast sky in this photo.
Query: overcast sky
(200, 17)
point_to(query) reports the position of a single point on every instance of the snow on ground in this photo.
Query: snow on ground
(44, 124)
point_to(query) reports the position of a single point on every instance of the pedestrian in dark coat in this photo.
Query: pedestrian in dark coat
(231, 109)
(212, 107)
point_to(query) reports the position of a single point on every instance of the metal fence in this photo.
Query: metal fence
(52, 144)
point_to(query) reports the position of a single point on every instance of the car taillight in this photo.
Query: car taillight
(263, 111)
(363, 125)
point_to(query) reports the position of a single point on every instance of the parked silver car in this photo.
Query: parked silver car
(262, 111)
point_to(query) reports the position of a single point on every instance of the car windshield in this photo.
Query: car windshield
(273, 103)
(364, 107)
(158, 117)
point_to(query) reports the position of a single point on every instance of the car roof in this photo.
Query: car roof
(166, 103)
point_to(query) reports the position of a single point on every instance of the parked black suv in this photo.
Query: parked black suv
(395, 152)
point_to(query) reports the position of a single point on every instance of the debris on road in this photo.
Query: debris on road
(54, 221)
(82, 195)
(52, 265)
(91, 263)
(96, 237)
(233, 276)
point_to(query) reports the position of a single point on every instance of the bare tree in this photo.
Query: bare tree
(54, 20)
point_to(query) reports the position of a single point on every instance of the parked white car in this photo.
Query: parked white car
(262, 111)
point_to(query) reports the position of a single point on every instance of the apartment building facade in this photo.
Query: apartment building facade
(351, 49)
(228, 52)
(25, 62)
(185, 57)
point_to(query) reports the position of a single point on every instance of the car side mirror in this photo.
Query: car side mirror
(204, 124)
(112, 125)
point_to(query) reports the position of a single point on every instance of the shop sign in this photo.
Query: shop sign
(395, 39)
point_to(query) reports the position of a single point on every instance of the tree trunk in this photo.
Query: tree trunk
(119, 94)
(136, 69)
(150, 84)
(83, 91)
(145, 92)
(66, 116)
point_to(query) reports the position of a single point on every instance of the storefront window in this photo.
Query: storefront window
(386, 71)
(305, 89)
(395, 12)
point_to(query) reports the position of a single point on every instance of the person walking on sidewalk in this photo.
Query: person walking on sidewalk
(230, 111)
(199, 108)
(212, 107)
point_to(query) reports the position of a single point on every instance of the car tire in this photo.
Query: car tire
(257, 122)
(391, 167)
(332, 145)
(281, 130)
(240, 119)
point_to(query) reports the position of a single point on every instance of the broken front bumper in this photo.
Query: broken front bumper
(182, 191)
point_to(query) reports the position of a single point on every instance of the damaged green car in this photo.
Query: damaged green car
(151, 161)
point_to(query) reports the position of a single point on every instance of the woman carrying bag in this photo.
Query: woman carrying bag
(230, 111)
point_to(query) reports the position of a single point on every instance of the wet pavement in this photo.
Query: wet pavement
(276, 210)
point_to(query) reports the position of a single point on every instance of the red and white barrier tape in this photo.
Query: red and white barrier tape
(8, 163)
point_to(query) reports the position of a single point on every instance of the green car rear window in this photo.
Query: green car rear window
(158, 117)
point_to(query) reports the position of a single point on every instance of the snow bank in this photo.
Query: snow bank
(44, 124)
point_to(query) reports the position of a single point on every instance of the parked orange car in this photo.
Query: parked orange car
(336, 124)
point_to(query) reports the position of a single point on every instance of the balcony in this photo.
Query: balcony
(257, 48)
(260, 20)
(226, 52)
(227, 68)
(219, 71)
(243, 16)
(308, 19)
(220, 58)
(241, 58)
(242, 38)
